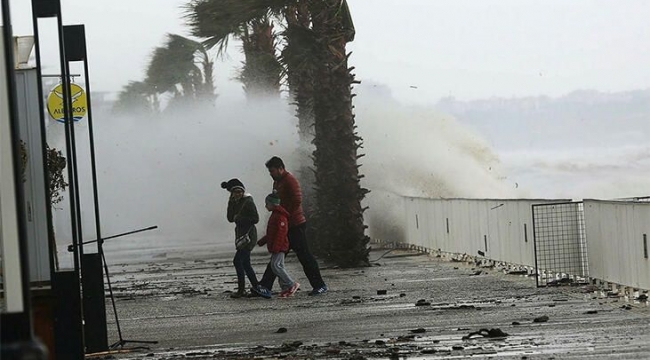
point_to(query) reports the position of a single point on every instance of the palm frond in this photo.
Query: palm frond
(216, 20)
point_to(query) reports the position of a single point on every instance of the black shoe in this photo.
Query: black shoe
(319, 291)
(238, 295)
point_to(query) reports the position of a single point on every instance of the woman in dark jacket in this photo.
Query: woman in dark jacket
(242, 212)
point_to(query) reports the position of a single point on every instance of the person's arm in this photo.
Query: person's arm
(283, 230)
(271, 230)
(230, 214)
(295, 194)
(248, 215)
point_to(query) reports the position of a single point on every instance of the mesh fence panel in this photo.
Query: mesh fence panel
(560, 243)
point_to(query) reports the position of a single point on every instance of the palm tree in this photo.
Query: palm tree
(339, 193)
(173, 69)
(137, 97)
(217, 20)
(321, 83)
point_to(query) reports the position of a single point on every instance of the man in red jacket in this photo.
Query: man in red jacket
(278, 244)
(288, 189)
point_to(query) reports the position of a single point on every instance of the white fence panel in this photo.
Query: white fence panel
(615, 242)
(501, 229)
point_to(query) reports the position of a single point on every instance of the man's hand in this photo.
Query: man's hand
(261, 242)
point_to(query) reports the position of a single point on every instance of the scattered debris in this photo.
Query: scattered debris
(627, 307)
(476, 273)
(563, 281)
(491, 333)
(642, 297)
(422, 302)
(291, 346)
(418, 331)
(281, 330)
(356, 297)
(590, 289)
(591, 312)
(357, 357)
(517, 272)
(402, 295)
(516, 323)
(541, 319)
(428, 351)
(457, 347)
(382, 292)
(380, 342)
(405, 338)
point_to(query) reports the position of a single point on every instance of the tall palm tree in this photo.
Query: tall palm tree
(321, 83)
(339, 193)
(218, 20)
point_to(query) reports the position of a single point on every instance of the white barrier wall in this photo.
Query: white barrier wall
(615, 242)
(501, 229)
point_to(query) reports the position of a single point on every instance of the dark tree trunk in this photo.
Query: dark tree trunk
(299, 58)
(339, 218)
(262, 71)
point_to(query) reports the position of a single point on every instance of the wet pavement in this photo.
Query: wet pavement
(428, 308)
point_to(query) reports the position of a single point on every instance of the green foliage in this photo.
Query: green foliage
(181, 67)
(56, 163)
(216, 20)
(136, 97)
(250, 20)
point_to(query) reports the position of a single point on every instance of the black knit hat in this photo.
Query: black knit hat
(233, 184)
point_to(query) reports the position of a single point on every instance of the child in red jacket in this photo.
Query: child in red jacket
(277, 242)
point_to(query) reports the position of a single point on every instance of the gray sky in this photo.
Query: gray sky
(463, 48)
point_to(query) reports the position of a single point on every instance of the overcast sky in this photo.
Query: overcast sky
(463, 48)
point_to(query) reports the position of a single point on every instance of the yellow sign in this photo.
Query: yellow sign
(79, 103)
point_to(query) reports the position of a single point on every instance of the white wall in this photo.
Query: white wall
(471, 223)
(615, 241)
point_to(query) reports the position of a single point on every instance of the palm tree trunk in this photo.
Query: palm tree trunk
(339, 222)
(300, 65)
(262, 71)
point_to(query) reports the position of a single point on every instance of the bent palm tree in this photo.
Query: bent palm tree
(136, 97)
(173, 68)
(217, 20)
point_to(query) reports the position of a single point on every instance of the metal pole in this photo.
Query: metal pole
(93, 162)
(70, 149)
(25, 318)
(24, 346)
(50, 226)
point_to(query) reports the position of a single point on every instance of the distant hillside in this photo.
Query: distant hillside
(583, 118)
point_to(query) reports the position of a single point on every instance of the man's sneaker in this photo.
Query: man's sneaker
(262, 291)
(319, 291)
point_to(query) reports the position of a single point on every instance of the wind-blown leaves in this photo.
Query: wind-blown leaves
(216, 20)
